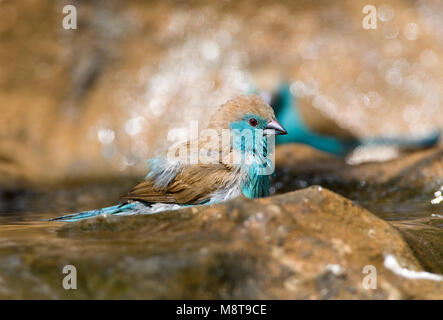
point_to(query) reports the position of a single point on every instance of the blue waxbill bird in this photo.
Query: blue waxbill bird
(172, 183)
(286, 110)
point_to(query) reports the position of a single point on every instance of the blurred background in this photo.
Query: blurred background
(82, 110)
(96, 102)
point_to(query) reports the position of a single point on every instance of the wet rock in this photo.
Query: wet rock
(424, 236)
(422, 170)
(308, 244)
(398, 190)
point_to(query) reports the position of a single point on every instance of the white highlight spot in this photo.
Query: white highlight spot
(411, 31)
(106, 136)
(392, 264)
(134, 126)
(437, 200)
(370, 153)
(394, 77)
(385, 13)
(390, 31)
(336, 269)
(210, 50)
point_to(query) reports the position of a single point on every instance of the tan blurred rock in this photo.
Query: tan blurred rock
(171, 63)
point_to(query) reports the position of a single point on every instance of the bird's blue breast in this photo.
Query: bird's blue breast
(255, 185)
(255, 161)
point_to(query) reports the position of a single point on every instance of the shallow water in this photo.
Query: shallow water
(30, 209)
(25, 238)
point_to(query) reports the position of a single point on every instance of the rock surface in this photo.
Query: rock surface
(422, 170)
(425, 237)
(399, 189)
(308, 244)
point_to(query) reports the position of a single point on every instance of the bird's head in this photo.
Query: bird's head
(247, 114)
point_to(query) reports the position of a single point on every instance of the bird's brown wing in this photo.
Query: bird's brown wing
(194, 184)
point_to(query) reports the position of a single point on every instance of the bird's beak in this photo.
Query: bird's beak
(274, 128)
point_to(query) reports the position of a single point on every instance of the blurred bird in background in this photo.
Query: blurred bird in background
(324, 134)
(171, 184)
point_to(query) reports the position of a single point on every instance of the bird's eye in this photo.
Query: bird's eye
(253, 122)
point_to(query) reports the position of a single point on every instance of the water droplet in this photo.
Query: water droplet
(365, 100)
(385, 13)
(394, 77)
(311, 87)
(375, 99)
(401, 64)
(134, 126)
(390, 31)
(105, 136)
(210, 50)
(411, 31)
(298, 89)
(413, 86)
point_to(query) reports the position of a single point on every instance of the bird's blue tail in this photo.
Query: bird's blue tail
(121, 209)
(285, 107)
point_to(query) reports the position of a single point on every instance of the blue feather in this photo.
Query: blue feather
(126, 208)
(256, 183)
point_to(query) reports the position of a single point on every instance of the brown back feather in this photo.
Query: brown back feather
(195, 183)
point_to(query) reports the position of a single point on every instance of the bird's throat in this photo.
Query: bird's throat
(255, 182)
